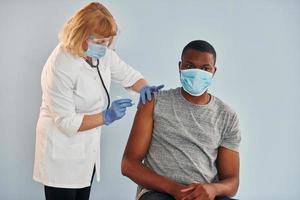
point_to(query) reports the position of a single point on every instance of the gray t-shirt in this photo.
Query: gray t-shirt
(186, 137)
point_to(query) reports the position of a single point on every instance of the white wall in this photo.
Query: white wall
(258, 46)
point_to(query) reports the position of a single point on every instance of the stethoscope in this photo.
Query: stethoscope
(97, 66)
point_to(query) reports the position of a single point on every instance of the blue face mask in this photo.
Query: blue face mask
(195, 81)
(96, 51)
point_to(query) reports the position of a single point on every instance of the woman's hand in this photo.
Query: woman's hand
(147, 91)
(116, 111)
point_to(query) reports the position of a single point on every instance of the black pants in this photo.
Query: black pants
(53, 193)
(162, 196)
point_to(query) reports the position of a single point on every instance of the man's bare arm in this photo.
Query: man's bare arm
(136, 149)
(228, 167)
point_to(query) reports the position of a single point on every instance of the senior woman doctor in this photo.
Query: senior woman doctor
(75, 103)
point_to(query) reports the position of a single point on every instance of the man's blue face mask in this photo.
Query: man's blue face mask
(195, 81)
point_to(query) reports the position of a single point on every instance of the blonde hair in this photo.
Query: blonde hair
(94, 19)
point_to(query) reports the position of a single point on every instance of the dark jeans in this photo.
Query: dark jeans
(163, 196)
(53, 193)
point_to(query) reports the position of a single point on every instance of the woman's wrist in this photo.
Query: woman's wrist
(137, 86)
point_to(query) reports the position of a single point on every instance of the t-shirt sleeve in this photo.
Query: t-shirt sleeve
(232, 136)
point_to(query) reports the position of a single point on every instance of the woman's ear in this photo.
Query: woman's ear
(84, 45)
(85, 42)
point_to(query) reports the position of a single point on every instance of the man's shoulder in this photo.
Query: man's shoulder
(223, 107)
(168, 92)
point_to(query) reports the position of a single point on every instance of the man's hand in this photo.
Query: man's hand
(199, 192)
(180, 191)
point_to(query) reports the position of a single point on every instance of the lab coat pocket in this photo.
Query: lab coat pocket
(67, 148)
(68, 152)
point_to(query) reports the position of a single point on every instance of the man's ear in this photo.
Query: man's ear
(179, 63)
(215, 70)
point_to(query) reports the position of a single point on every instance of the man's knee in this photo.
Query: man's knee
(152, 195)
(223, 198)
(156, 196)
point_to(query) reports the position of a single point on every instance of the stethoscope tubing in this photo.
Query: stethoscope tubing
(103, 84)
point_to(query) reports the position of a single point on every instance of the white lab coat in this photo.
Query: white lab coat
(71, 89)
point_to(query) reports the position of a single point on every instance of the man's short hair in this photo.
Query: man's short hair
(202, 46)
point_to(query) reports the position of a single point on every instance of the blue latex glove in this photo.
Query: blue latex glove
(116, 111)
(146, 92)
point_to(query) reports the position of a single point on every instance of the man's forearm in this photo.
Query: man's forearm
(226, 187)
(142, 175)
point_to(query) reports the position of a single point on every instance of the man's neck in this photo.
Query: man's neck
(200, 100)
